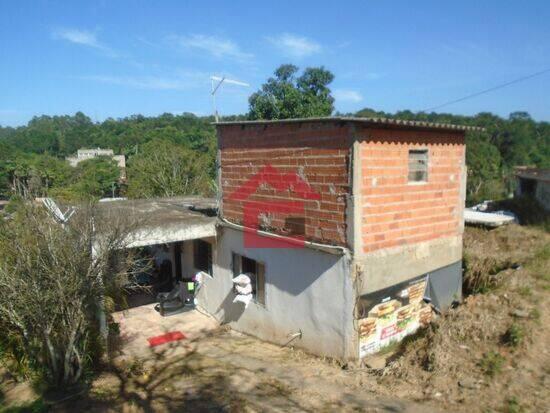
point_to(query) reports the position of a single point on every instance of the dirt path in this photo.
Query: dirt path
(229, 372)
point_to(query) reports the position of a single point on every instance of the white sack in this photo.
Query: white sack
(242, 279)
(244, 290)
(243, 298)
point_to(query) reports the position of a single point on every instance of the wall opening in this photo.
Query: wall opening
(202, 256)
(255, 271)
(418, 165)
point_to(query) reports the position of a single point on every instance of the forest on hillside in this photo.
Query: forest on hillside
(172, 155)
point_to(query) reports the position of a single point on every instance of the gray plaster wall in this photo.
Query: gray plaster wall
(543, 194)
(306, 290)
(384, 268)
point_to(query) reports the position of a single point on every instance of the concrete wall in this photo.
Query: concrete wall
(543, 194)
(383, 268)
(306, 290)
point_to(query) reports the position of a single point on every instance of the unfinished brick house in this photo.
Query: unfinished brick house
(354, 229)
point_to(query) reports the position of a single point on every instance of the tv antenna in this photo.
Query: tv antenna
(216, 86)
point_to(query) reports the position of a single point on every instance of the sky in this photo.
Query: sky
(118, 58)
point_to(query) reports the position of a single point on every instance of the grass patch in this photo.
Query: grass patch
(514, 336)
(481, 273)
(513, 406)
(492, 363)
(535, 314)
(539, 266)
(525, 291)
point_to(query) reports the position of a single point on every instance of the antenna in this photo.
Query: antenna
(61, 217)
(215, 87)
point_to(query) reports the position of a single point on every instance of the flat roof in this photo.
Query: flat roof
(383, 122)
(165, 220)
(539, 174)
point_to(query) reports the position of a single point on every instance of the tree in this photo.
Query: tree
(163, 169)
(35, 175)
(287, 96)
(95, 178)
(485, 180)
(7, 157)
(54, 279)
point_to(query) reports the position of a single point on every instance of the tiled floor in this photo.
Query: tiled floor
(140, 323)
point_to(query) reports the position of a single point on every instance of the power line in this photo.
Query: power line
(519, 79)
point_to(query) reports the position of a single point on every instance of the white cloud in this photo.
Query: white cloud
(183, 81)
(213, 45)
(83, 38)
(344, 95)
(295, 46)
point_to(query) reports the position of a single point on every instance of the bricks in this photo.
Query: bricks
(397, 213)
(317, 152)
(393, 211)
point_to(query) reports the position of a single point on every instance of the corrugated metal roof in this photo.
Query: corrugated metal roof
(400, 123)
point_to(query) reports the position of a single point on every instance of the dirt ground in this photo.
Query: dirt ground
(489, 354)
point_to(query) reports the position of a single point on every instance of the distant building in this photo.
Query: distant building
(534, 182)
(85, 154)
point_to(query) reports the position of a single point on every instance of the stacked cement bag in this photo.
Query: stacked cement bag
(243, 289)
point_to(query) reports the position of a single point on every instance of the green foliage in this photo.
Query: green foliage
(513, 406)
(32, 157)
(492, 363)
(95, 178)
(513, 336)
(36, 174)
(485, 177)
(287, 96)
(163, 168)
(53, 288)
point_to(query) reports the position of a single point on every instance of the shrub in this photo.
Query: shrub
(492, 363)
(513, 406)
(513, 336)
(53, 290)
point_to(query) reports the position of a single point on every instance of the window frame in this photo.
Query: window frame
(257, 278)
(420, 161)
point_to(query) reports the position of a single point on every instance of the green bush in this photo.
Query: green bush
(491, 363)
(513, 336)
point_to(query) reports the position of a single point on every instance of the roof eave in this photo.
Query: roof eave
(377, 122)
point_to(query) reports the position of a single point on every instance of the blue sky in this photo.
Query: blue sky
(117, 58)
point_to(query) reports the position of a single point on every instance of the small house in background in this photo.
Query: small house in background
(534, 182)
(85, 154)
(350, 230)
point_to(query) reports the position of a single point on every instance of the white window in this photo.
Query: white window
(256, 271)
(418, 165)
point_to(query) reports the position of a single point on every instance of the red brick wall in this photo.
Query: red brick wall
(395, 212)
(317, 152)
